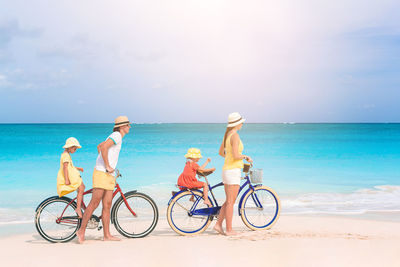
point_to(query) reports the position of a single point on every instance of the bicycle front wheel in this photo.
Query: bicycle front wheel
(180, 213)
(260, 208)
(132, 226)
(56, 219)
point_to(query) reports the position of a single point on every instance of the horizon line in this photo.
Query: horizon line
(141, 123)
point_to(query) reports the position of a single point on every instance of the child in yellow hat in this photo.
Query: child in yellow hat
(69, 178)
(188, 177)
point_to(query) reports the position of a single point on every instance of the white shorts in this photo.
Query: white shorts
(231, 176)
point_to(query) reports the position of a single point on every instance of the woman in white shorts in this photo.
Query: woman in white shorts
(231, 149)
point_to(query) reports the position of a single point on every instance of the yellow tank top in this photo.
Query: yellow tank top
(230, 162)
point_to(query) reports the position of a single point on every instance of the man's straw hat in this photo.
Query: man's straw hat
(121, 121)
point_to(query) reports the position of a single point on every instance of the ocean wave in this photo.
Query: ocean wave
(383, 198)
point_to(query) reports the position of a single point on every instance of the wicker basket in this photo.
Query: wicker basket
(256, 176)
(246, 167)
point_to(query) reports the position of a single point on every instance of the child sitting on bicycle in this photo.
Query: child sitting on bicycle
(68, 178)
(188, 177)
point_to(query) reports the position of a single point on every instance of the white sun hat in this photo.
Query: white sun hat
(72, 141)
(235, 119)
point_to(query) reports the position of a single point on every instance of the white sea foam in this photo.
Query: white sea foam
(383, 198)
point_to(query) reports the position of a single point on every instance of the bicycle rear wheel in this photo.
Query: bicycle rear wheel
(56, 219)
(146, 215)
(260, 208)
(180, 217)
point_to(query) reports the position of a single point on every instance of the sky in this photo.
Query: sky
(197, 61)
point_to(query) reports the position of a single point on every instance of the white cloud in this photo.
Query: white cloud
(293, 60)
(3, 81)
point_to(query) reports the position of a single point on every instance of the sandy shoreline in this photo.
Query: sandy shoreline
(293, 241)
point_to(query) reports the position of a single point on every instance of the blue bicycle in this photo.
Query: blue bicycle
(259, 206)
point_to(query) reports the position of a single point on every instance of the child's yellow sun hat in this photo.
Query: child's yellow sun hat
(72, 141)
(193, 153)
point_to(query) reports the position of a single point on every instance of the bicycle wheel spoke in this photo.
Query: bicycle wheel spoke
(180, 217)
(47, 216)
(145, 219)
(260, 208)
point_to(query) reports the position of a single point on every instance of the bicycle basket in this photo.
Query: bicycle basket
(246, 167)
(256, 176)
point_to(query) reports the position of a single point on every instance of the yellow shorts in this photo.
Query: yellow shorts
(103, 180)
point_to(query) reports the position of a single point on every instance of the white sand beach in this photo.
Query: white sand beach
(293, 241)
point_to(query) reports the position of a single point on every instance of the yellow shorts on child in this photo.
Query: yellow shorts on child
(103, 180)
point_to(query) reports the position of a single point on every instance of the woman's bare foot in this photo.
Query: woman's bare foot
(81, 237)
(79, 213)
(219, 229)
(111, 238)
(231, 233)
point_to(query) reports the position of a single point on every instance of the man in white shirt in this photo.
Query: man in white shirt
(104, 178)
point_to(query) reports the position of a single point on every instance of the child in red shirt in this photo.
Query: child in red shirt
(188, 177)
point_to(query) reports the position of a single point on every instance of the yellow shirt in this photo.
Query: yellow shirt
(73, 175)
(230, 162)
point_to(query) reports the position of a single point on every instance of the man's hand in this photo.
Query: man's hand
(109, 169)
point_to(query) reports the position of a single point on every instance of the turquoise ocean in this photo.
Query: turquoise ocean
(315, 168)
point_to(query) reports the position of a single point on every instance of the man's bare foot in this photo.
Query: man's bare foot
(219, 229)
(81, 237)
(207, 202)
(79, 212)
(111, 238)
(231, 233)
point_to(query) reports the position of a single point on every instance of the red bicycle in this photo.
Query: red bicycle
(133, 214)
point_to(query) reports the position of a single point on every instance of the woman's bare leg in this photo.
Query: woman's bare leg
(105, 216)
(221, 217)
(231, 192)
(97, 195)
(79, 198)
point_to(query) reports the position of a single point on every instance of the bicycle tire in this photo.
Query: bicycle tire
(173, 217)
(62, 203)
(271, 209)
(127, 224)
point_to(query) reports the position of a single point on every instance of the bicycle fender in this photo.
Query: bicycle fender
(184, 190)
(241, 199)
(51, 198)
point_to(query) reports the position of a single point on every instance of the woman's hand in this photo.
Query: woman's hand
(208, 160)
(248, 159)
(67, 182)
(79, 169)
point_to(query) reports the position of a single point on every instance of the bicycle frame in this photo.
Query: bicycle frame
(72, 219)
(215, 210)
